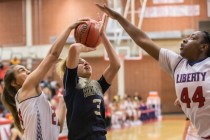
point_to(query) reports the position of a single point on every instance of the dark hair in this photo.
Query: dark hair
(207, 41)
(8, 96)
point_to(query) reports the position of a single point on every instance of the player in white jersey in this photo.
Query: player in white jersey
(32, 113)
(190, 132)
(39, 119)
(190, 70)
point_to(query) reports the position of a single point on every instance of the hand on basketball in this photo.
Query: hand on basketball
(77, 23)
(111, 13)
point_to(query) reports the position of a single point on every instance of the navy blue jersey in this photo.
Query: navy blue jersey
(85, 105)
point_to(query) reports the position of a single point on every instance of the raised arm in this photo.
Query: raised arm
(33, 80)
(114, 60)
(140, 38)
(74, 54)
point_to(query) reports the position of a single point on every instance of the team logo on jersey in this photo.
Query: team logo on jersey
(82, 83)
(90, 87)
(191, 77)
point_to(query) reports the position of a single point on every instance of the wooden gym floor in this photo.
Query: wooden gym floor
(170, 128)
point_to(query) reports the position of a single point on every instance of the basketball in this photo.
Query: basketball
(88, 34)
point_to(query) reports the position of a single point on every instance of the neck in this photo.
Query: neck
(196, 61)
(198, 58)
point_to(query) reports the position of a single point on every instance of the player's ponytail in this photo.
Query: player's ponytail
(207, 41)
(8, 96)
(61, 67)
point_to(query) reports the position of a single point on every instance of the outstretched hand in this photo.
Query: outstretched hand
(111, 13)
(103, 24)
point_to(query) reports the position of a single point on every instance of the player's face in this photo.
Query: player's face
(190, 47)
(84, 69)
(21, 74)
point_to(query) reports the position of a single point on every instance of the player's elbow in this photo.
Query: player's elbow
(73, 49)
(116, 66)
(52, 57)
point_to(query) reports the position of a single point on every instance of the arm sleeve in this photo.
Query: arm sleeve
(104, 85)
(168, 60)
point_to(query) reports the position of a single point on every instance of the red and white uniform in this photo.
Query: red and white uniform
(192, 84)
(38, 119)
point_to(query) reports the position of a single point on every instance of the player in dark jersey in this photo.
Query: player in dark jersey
(83, 96)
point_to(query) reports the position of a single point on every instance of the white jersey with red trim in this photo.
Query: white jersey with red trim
(192, 84)
(38, 119)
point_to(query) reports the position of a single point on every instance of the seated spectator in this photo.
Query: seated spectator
(15, 61)
(1, 72)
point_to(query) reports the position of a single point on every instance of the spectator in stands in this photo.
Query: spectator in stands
(59, 89)
(107, 111)
(143, 108)
(136, 110)
(48, 93)
(1, 71)
(49, 83)
(15, 61)
(1, 105)
(1, 65)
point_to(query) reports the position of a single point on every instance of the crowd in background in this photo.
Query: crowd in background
(128, 111)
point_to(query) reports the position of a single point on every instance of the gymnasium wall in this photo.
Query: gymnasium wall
(173, 23)
(50, 17)
(12, 22)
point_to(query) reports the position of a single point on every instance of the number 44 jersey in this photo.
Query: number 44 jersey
(192, 84)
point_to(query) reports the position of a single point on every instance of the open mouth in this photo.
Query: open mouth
(182, 46)
(87, 68)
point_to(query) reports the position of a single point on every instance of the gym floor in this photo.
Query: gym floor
(170, 127)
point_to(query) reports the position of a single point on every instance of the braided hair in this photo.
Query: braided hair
(206, 40)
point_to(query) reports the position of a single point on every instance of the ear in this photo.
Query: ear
(204, 47)
(14, 84)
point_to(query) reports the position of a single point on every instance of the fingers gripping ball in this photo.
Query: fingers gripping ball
(88, 34)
